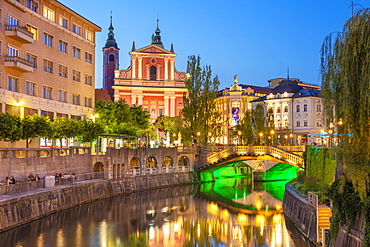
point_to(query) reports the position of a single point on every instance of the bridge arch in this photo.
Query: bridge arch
(151, 162)
(135, 163)
(167, 162)
(99, 167)
(184, 161)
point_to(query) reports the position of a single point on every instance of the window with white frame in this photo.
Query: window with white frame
(63, 71)
(76, 75)
(13, 52)
(88, 102)
(63, 21)
(298, 124)
(63, 46)
(75, 99)
(89, 35)
(318, 108)
(32, 30)
(76, 29)
(76, 52)
(33, 59)
(13, 83)
(48, 66)
(47, 92)
(88, 79)
(305, 123)
(62, 95)
(32, 4)
(49, 13)
(305, 107)
(30, 88)
(298, 108)
(48, 40)
(12, 21)
(88, 57)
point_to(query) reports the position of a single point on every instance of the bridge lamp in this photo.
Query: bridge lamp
(261, 135)
(291, 139)
(286, 139)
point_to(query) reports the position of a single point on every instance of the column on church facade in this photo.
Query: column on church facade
(147, 71)
(159, 72)
(172, 109)
(140, 100)
(140, 67)
(133, 64)
(172, 69)
(166, 68)
(133, 99)
(166, 105)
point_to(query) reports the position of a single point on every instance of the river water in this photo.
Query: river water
(228, 212)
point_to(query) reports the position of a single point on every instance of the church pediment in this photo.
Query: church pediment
(152, 49)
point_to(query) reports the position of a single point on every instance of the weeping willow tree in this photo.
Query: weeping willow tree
(345, 67)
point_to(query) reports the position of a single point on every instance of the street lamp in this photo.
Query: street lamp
(291, 139)
(286, 139)
(261, 135)
(239, 136)
(198, 137)
(272, 135)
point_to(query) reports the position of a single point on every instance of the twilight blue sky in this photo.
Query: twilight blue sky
(256, 39)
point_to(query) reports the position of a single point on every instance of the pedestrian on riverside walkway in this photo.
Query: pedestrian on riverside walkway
(6, 181)
(12, 180)
(31, 177)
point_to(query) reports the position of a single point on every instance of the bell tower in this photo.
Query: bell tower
(110, 60)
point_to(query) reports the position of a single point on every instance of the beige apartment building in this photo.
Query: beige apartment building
(47, 59)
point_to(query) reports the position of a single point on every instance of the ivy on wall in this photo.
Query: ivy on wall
(320, 163)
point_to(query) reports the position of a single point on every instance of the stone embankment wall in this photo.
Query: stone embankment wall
(21, 209)
(300, 216)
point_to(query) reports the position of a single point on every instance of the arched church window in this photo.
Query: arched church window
(153, 73)
(111, 58)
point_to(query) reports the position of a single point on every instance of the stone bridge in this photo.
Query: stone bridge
(283, 154)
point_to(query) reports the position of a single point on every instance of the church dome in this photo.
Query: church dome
(289, 88)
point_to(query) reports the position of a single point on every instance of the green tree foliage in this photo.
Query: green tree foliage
(90, 131)
(200, 113)
(345, 77)
(259, 121)
(320, 164)
(36, 126)
(10, 129)
(65, 128)
(119, 118)
(245, 126)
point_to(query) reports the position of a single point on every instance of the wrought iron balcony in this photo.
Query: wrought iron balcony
(19, 33)
(18, 63)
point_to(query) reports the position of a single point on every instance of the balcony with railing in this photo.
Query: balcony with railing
(19, 33)
(18, 63)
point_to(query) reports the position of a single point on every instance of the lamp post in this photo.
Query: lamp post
(261, 135)
(272, 136)
(286, 139)
(239, 137)
(339, 131)
(291, 139)
(198, 138)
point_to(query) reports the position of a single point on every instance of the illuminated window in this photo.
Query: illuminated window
(63, 22)
(30, 88)
(89, 35)
(286, 108)
(63, 46)
(13, 83)
(48, 66)
(76, 75)
(63, 71)
(46, 92)
(49, 14)
(33, 30)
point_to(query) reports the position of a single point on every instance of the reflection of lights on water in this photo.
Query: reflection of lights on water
(236, 195)
(175, 227)
(225, 214)
(198, 230)
(103, 233)
(260, 222)
(60, 238)
(213, 208)
(242, 219)
(258, 204)
(151, 232)
(209, 229)
(40, 240)
(278, 207)
(237, 234)
(166, 228)
(79, 238)
(277, 221)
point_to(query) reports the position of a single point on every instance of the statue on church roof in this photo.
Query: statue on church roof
(236, 79)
